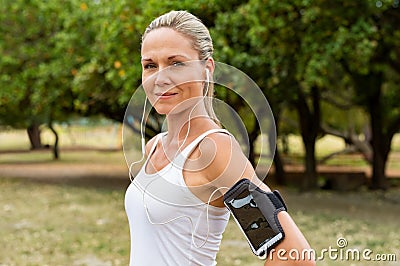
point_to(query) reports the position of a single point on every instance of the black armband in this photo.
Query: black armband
(256, 213)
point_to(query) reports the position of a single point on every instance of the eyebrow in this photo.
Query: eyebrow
(169, 57)
(178, 55)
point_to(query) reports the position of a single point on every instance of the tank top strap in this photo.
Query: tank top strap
(158, 138)
(189, 148)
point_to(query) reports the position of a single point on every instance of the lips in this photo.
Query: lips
(165, 95)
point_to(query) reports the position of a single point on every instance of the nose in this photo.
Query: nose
(162, 78)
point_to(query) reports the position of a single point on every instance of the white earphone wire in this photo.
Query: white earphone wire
(142, 140)
(179, 148)
(184, 216)
(191, 111)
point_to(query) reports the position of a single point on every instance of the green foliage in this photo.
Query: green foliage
(38, 55)
(339, 49)
(65, 57)
(83, 52)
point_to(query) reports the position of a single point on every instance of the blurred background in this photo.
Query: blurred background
(329, 69)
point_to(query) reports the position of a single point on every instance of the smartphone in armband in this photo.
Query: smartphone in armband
(258, 222)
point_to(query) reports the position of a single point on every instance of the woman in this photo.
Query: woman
(175, 203)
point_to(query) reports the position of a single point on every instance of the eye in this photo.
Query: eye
(149, 66)
(177, 63)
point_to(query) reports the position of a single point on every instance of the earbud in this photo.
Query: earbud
(207, 75)
(143, 146)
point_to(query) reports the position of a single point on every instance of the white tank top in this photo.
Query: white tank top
(168, 224)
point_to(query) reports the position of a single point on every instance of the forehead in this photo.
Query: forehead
(167, 41)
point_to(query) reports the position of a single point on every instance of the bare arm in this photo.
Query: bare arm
(230, 165)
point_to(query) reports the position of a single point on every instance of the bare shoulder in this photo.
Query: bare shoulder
(228, 164)
(219, 146)
(226, 161)
(217, 141)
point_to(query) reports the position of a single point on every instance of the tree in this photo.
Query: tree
(356, 45)
(27, 66)
(42, 46)
(272, 51)
(364, 40)
(234, 44)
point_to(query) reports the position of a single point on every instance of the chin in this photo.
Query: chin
(162, 110)
(173, 108)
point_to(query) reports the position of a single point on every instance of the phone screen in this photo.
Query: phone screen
(250, 219)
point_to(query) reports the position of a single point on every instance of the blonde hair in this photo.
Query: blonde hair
(192, 27)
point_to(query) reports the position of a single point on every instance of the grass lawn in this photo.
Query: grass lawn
(56, 224)
(47, 222)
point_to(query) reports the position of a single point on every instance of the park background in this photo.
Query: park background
(329, 69)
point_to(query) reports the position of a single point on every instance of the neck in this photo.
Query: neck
(182, 124)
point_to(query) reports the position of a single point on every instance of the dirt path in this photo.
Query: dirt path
(91, 169)
(116, 172)
(60, 171)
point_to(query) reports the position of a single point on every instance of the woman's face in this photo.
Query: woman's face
(172, 75)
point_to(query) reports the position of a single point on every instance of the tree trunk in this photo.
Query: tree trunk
(34, 136)
(252, 139)
(380, 140)
(369, 94)
(311, 177)
(379, 180)
(280, 175)
(55, 146)
(310, 127)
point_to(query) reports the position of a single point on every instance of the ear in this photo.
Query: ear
(210, 65)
